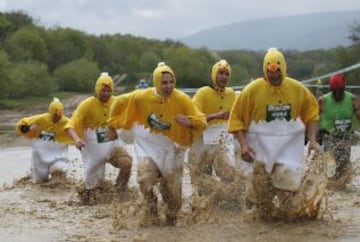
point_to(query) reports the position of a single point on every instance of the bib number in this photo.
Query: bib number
(101, 134)
(47, 136)
(157, 123)
(278, 112)
(342, 125)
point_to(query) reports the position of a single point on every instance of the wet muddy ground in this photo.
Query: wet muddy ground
(52, 212)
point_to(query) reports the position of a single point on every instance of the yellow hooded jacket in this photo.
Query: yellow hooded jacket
(45, 123)
(259, 96)
(210, 100)
(92, 113)
(148, 103)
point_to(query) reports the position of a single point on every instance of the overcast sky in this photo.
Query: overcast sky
(162, 19)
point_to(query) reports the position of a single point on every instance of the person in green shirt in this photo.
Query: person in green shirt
(337, 110)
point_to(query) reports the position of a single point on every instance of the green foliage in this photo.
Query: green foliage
(78, 75)
(10, 103)
(5, 26)
(105, 54)
(4, 75)
(246, 65)
(27, 44)
(302, 65)
(30, 78)
(239, 75)
(18, 19)
(148, 60)
(27, 103)
(342, 57)
(191, 69)
(66, 45)
(129, 55)
(320, 69)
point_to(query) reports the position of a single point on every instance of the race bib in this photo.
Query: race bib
(278, 112)
(46, 135)
(342, 125)
(101, 134)
(157, 123)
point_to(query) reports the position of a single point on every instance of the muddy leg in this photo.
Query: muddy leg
(342, 157)
(148, 175)
(263, 191)
(222, 166)
(201, 168)
(171, 192)
(88, 196)
(119, 158)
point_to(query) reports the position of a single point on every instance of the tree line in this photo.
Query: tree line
(36, 61)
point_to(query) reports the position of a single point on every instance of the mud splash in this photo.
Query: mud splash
(304, 204)
(52, 212)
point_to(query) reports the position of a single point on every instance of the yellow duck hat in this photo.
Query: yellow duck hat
(157, 75)
(274, 60)
(103, 80)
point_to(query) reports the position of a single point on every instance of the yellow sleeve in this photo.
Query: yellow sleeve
(61, 135)
(199, 122)
(310, 110)
(121, 111)
(198, 99)
(77, 120)
(197, 118)
(28, 121)
(240, 113)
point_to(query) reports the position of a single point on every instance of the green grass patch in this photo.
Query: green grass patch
(29, 102)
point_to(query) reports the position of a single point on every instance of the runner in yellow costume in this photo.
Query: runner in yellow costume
(49, 142)
(270, 118)
(162, 119)
(88, 129)
(214, 150)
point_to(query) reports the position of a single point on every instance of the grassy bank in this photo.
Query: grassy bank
(30, 102)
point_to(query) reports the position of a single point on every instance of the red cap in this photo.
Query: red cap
(337, 81)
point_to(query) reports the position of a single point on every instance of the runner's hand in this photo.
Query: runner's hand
(313, 145)
(80, 144)
(247, 153)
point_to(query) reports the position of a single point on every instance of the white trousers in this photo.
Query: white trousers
(47, 157)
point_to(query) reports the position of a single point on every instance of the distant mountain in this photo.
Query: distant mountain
(301, 32)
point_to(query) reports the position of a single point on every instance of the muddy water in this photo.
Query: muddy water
(51, 212)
